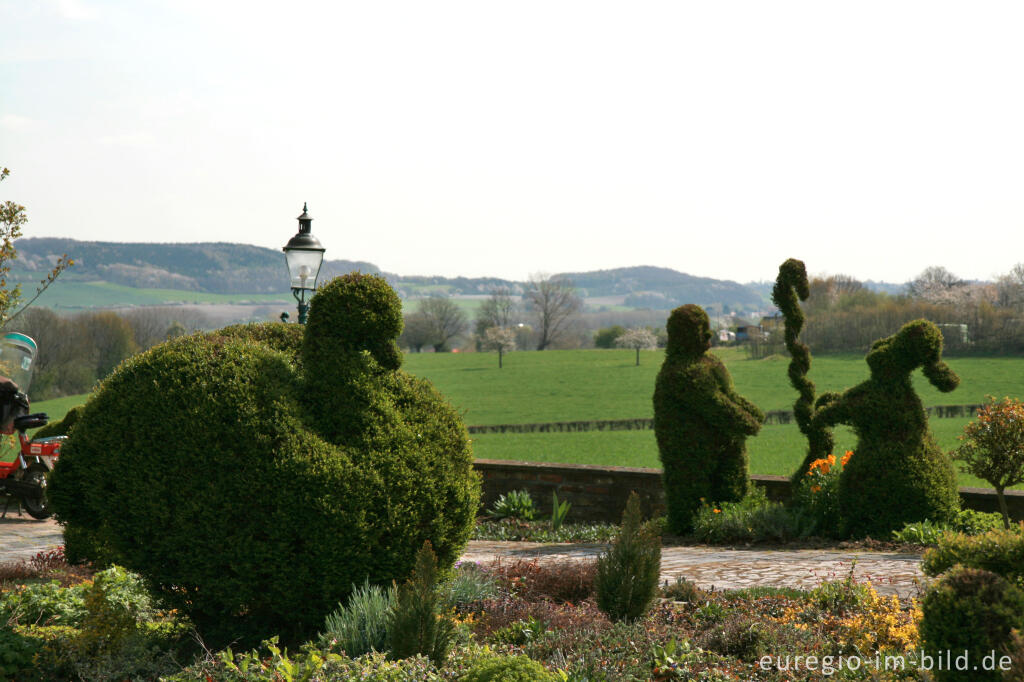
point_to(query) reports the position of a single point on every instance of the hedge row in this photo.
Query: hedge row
(772, 417)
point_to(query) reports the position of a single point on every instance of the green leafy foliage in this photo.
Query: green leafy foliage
(360, 626)
(510, 669)
(899, 474)
(754, 518)
(992, 447)
(627, 574)
(516, 504)
(417, 625)
(253, 495)
(700, 422)
(999, 551)
(973, 611)
(559, 510)
(791, 287)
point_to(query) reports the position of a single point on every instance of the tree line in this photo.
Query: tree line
(975, 317)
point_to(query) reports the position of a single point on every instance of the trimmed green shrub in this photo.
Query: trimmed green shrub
(286, 338)
(252, 495)
(973, 611)
(898, 475)
(999, 551)
(791, 287)
(416, 625)
(754, 518)
(700, 422)
(509, 669)
(627, 574)
(61, 427)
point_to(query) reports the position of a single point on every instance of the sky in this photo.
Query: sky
(505, 139)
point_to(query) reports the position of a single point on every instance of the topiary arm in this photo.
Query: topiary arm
(834, 408)
(733, 408)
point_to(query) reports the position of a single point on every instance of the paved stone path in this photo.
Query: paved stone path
(890, 573)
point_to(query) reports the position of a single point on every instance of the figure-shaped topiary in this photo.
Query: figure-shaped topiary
(700, 422)
(253, 494)
(791, 287)
(898, 474)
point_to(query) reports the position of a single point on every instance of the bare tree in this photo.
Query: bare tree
(416, 333)
(499, 310)
(444, 318)
(1010, 288)
(936, 284)
(554, 301)
(501, 339)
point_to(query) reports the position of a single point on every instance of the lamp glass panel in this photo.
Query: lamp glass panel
(303, 267)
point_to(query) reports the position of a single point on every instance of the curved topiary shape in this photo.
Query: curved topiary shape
(898, 474)
(199, 465)
(700, 422)
(791, 287)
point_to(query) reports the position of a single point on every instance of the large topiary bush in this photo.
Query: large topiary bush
(969, 613)
(898, 474)
(252, 495)
(791, 287)
(700, 422)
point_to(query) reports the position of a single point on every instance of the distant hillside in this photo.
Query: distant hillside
(216, 268)
(662, 288)
(240, 269)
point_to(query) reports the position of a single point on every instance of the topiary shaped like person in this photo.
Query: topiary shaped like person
(700, 422)
(898, 474)
(252, 476)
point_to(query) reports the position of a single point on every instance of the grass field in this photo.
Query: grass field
(604, 384)
(79, 294)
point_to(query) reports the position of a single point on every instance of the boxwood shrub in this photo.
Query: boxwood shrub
(252, 495)
(700, 422)
(898, 474)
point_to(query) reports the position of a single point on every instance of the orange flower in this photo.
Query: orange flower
(718, 511)
(815, 488)
(847, 456)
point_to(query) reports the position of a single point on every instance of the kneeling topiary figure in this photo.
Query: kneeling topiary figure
(898, 474)
(253, 482)
(700, 422)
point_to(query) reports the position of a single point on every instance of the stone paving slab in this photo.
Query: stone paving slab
(21, 537)
(714, 567)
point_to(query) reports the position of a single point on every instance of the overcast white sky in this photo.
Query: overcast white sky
(480, 138)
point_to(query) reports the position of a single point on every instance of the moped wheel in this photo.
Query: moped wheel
(37, 507)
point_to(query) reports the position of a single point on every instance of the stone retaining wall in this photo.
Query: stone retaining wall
(599, 493)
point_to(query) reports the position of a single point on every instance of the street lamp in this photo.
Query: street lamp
(304, 255)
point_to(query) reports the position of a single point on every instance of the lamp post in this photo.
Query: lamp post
(304, 256)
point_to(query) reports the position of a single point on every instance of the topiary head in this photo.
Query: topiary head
(916, 344)
(689, 331)
(356, 312)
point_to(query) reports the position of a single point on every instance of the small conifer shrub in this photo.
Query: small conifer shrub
(627, 574)
(417, 625)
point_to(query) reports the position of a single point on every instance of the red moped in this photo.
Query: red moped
(24, 478)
